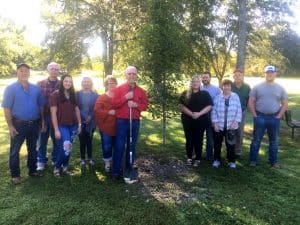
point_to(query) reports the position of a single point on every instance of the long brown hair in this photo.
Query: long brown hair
(71, 91)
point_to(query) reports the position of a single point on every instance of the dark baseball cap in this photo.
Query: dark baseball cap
(22, 64)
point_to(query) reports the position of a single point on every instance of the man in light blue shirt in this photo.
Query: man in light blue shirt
(22, 103)
(213, 92)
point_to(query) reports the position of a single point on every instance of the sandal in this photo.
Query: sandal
(56, 173)
(67, 171)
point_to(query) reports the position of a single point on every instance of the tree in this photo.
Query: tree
(14, 48)
(73, 22)
(163, 43)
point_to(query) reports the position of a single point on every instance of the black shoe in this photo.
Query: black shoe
(35, 174)
(116, 177)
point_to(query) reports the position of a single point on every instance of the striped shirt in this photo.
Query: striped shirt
(234, 114)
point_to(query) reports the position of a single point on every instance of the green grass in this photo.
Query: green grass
(169, 193)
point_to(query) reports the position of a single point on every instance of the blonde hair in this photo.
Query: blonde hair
(190, 90)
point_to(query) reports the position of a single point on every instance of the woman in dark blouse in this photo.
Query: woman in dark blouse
(195, 106)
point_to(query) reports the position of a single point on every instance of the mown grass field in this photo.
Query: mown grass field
(169, 192)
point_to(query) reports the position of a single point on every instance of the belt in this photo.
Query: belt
(28, 122)
(266, 114)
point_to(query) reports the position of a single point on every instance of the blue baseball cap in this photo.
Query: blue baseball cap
(270, 68)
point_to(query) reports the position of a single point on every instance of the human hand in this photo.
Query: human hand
(57, 134)
(216, 127)
(88, 119)
(129, 95)
(79, 130)
(132, 104)
(12, 131)
(44, 126)
(112, 112)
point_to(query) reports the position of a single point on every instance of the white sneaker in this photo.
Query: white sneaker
(91, 162)
(107, 166)
(40, 166)
(82, 163)
(216, 164)
(189, 162)
(232, 165)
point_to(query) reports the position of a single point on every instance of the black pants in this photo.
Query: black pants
(85, 139)
(218, 139)
(194, 138)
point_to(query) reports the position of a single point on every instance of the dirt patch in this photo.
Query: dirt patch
(161, 178)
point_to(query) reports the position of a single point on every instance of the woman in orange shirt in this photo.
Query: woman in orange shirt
(106, 120)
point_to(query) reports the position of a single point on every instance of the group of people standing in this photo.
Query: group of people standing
(53, 109)
(220, 113)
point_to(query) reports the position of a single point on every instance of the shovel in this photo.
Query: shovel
(131, 176)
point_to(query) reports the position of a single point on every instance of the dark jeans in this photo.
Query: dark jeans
(218, 139)
(209, 142)
(86, 143)
(261, 124)
(43, 142)
(122, 140)
(194, 138)
(26, 131)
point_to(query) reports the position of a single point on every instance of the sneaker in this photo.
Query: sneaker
(253, 164)
(67, 171)
(91, 162)
(107, 166)
(56, 173)
(40, 166)
(196, 163)
(216, 164)
(189, 162)
(16, 180)
(82, 162)
(232, 165)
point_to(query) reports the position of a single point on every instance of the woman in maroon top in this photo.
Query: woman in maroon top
(65, 116)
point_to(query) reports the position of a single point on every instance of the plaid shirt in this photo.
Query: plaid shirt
(47, 90)
(234, 114)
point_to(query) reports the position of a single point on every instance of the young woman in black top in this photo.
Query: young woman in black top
(195, 106)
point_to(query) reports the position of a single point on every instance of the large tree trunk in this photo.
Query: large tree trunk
(242, 34)
(107, 56)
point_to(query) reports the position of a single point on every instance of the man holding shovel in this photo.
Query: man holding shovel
(129, 100)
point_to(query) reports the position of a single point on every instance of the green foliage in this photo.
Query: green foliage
(14, 48)
(164, 48)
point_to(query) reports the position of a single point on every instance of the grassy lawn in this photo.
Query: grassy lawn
(169, 192)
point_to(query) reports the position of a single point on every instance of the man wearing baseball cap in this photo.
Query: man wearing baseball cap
(267, 102)
(22, 103)
(126, 96)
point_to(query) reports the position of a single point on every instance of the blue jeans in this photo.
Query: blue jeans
(28, 132)
(209, 143)
(68, 134)
(262, 123)
(43, 141)
(107, 143)
(122, 139)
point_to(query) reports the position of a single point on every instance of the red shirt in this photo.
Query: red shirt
(119, 102)
(105, 122)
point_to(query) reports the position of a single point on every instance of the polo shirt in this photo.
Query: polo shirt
(23, 104)
(243, 93)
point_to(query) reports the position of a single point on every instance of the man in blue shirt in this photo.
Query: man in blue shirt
(22, 103)
(213, 92)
